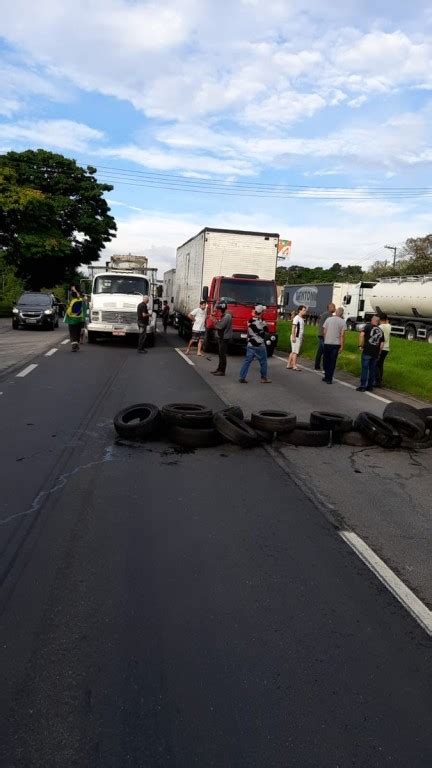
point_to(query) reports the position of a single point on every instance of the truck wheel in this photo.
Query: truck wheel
(337, 422)
(429, 335)
(378, 430)
(91, 337)
(208, 342)
(15, 325)
(273, 421)
(410, 333)
(137, 422)
(270, 351)
(406, 419)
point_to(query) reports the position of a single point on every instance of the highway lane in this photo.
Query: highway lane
(20, 346)
(160, 609)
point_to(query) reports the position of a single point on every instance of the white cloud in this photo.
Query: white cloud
(61, 134)
(168, 161)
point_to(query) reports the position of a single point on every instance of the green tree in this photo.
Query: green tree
(53, 216)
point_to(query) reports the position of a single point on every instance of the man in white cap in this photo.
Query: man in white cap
(256, 346)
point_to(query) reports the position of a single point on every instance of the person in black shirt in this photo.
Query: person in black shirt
(371, 343)
(143, 318)
(165, 315)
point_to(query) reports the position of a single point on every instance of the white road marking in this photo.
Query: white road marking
(27, 370)
(66, 341)
(344, 383)
(406, 597)
(185, 357)
(51, 352)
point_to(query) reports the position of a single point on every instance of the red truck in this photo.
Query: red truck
(234, 253)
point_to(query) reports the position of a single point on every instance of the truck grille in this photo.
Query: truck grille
(120, 318)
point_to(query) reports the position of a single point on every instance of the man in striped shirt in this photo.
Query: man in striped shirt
(256, 346)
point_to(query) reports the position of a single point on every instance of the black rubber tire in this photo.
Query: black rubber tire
(235, 430)
(270, 351)
(380, 432)
(234, 410)
(355, 439)
(262, 434)
(127, 427)
(91, 337)
(336, 422)
(188, 437)
(426, 413)
(15, 326)
(304, 435)
(192, 415)
(406, 419)
(273, 421)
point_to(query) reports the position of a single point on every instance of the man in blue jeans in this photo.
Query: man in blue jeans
(256, 346)
(371, 343)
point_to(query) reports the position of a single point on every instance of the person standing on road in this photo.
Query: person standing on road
(74, 317)
(143, 319)
(331, 309)
(223, 327)
(297, 333)
(385, 326)
(165, 315)
(334, 336)
(371, 342)
(198, 318)
(256, 346)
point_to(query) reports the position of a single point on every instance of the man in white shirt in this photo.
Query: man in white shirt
(334, 336)
(198, 318)
(297, 333)
(385, 326)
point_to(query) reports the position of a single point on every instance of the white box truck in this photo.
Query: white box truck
(234, 266)
(117, 289)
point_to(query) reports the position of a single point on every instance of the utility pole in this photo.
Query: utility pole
(394, 249)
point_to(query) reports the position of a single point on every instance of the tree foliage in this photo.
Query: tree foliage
(414, 258)
(334, 274)
(53, 216)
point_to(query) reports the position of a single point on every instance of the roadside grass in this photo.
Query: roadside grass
(408, 367)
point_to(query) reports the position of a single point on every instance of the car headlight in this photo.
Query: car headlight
(48, 312)
(15, 311)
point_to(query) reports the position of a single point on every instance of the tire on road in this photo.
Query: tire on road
(426, 413)
(188, 437)
(406, 419)
(380, 432)
(305, 435)
(192, 415)
(355, 439)
(137, 422)
(273, 421)
(235, 430)
(262, 435)
(336, 422)
(234, 410)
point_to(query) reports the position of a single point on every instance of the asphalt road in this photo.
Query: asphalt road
(17, 347)
(165, 609)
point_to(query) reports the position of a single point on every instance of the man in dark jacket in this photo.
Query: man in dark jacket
(224, 331)
(143, 319)
(256, 346)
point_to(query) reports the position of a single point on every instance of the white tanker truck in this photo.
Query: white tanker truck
(408, 303)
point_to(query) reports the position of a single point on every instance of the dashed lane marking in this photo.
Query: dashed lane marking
(26, 371)
(185, 357)
(343, 383)
(406, 597)
(51, 352)
(66, 341)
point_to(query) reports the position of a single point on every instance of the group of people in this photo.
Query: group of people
(374, 344)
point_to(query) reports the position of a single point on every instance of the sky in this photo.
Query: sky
(184, 104)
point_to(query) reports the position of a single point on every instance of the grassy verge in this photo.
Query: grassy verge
(408, 367)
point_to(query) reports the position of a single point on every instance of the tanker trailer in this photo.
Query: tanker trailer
(408, 303)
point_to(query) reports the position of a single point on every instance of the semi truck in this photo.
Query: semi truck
(232, 266)
(408, 303)
(117, 289)
(353, 297)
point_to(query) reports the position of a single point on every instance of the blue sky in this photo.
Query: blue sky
(250, 91)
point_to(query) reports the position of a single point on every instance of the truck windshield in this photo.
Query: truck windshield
(248, 292)
(133, 284)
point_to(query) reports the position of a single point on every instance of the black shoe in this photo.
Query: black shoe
(218, 373)
(142, 351)
(242, 381)
(326, 380)
(369, 389)
(360, 389)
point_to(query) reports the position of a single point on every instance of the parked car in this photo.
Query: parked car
(35, 309)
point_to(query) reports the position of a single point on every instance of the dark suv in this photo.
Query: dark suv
(39, 310)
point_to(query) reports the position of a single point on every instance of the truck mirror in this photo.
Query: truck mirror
(205, 292)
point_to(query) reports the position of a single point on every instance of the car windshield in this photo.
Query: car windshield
(137, 286)
(34, 298)
(248, 292)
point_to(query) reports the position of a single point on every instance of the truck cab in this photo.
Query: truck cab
(114, 301)
(241, 293)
